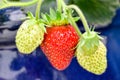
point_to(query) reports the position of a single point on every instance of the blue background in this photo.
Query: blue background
(16, 66)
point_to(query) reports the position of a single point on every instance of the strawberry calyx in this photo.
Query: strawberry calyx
(33, 21)
(89, 43)
(55, 18)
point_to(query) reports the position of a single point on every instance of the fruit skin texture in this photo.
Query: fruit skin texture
(95, 63)
(59, 44)
(29, 36)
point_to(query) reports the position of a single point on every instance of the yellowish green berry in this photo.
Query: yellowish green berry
(95, 63)
(29, 36)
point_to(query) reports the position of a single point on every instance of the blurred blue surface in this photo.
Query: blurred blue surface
(16, 66)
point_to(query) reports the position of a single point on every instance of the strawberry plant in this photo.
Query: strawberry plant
(59, 37)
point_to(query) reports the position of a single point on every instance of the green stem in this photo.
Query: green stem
(71, 18)
(59, 6)
(38, 9)
(74, 24)
(81, 16)
(17, 4)
(64, 6)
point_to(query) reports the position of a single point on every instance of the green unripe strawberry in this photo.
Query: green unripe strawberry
(96, 62)
(29, 36)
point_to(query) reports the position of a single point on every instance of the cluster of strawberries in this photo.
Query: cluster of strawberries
(60, 42)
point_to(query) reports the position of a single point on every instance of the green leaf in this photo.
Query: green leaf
(99, 12)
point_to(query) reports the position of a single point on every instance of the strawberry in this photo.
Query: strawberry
(91, 53)
(29, 36)
(59, 41)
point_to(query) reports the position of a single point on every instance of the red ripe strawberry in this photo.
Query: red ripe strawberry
(60, 40)
(58, 45)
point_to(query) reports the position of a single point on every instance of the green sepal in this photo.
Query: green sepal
(33, 21)
(42, 26)
(76, 18)
(30, 15)
(89, 43)
(52, 13)
(45, 18)
(56, 18)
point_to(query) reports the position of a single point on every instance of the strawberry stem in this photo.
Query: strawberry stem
(38, 9)
(59, 6)
(17, 4)
(71, 18)
(82, 17)
(74, 24)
